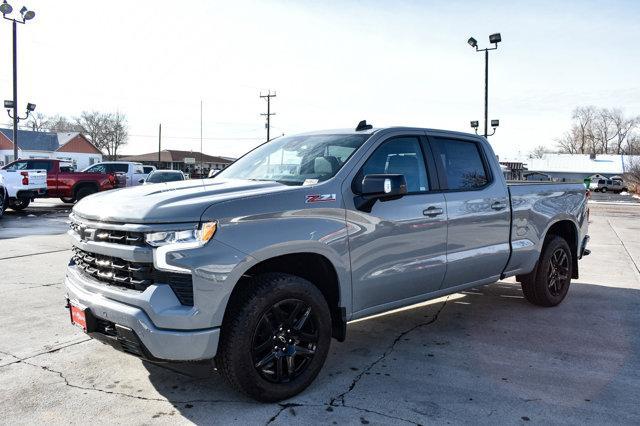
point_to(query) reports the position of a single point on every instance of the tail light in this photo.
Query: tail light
(25, 178)
(112, 178)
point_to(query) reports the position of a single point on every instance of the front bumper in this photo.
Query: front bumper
(127, 327)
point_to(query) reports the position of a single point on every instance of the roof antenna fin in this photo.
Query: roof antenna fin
(363, 126)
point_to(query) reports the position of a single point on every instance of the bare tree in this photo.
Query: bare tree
(538, 152)
(632, 173)
(569, 143)
(38, 122)
(117, 133)
(600, 131)
(582, 128)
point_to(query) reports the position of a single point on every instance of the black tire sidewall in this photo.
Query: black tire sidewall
(237, 345)
(542, 291)
(84, 192)
(24, 203)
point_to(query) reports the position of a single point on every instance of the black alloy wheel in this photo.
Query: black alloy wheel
(558, 271)
(285, 341)
(548, 283)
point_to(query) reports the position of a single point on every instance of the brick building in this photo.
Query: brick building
(73, 147)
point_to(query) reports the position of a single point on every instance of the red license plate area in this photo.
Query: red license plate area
(78, 317)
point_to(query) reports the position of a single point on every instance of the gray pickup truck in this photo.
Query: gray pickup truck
(258, 268)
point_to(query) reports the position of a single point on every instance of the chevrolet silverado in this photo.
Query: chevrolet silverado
(260, 267)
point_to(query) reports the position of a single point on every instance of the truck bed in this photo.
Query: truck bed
(534, 207)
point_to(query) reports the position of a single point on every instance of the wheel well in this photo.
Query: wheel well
(314, 268)
(566, 230)
(81, 185)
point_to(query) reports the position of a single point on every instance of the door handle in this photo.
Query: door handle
(432, 211)
(499, 205)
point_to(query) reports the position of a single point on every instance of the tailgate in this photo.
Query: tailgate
(37, 179)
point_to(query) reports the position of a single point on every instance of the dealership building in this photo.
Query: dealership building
(187, 161)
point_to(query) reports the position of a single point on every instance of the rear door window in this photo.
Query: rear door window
(463, 165)
(39, 165)
(119, 167)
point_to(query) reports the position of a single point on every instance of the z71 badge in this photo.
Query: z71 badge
(320, 198)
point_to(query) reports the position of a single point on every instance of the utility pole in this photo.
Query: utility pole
(159, 142)
(268, 97)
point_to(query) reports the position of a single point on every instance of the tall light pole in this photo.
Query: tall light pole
(25, 15)
(493, 39)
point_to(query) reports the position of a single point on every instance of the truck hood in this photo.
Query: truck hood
(172, 202)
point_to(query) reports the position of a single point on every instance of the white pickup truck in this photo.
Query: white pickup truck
(22, 186)
(128, 173)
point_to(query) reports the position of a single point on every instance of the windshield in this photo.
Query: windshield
(296, 160)
(158, 177)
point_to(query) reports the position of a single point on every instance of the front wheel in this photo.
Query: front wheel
(68, 200)
(19, 204)
(603, 190)
(548, 284)
(3, 201)
(275, 337)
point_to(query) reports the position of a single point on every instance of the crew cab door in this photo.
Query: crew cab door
(478, 210)
(398, 248)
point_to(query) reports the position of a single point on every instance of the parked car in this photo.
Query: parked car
(605, 185)
(128, 173)
(260, 267)
(62, 181)
(164, 176)
(23, 184)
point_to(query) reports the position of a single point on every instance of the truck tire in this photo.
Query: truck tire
(275, 337)
(4, 197)
(549, 282)
(68, 200)
(84, 191)
(19, 204)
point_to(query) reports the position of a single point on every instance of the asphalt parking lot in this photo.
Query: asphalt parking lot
(483, 356)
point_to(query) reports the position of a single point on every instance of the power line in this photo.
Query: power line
(268, 97)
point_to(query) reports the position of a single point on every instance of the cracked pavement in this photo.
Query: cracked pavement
(480, 356)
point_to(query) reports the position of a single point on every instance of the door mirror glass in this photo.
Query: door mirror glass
(381, 187)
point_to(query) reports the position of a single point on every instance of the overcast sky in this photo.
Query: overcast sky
(331, 63)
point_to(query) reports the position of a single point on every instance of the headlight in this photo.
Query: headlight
(196, 236)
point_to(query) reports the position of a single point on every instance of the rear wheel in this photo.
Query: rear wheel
(275, 337)
(19, 204)
(549, 282)
(68, 200)
(84, 191)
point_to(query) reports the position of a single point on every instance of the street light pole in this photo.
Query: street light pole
(15, 91)
(486, 91)
(26, 15)
(495, 39)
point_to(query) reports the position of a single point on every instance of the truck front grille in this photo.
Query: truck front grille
(131, 275)
(108, 235)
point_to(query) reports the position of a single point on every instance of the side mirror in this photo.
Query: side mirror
(381, 187)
